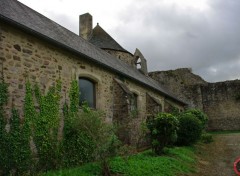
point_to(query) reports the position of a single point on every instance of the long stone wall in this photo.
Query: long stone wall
(221, 104)
(23, 56)
(218, 100)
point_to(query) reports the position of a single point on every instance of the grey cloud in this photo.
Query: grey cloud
(171, 37)
(230, 70)
(64, 20)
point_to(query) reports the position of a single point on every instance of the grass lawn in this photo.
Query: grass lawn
(176, 161)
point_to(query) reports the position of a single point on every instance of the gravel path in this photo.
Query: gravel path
(217, 158)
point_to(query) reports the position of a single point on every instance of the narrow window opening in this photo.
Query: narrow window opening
(138, 63)
(87, 92)
(134, 103)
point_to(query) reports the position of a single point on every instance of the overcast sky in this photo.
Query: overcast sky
(200, 34)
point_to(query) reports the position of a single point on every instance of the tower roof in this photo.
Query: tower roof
(102, 39)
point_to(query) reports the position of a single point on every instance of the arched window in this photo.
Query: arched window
(87, 92)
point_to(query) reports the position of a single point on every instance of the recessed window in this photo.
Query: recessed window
(134, 102)
(87, 92)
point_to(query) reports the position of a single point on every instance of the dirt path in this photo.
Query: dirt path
(217, 158)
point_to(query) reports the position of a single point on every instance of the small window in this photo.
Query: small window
(138, 63)
(134, 102)
(87, 92)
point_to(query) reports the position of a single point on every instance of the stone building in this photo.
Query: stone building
(110, 78)
(220, 101)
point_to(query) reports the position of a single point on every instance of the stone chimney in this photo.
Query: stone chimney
(85, 25)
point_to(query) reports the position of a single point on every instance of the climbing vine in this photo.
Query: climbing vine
(3, 94)
(74, 96)
(46, 129)
(28, 122)
(73, 143)
(29, 109)
(14, 139)
(32, 144)
(3, 133)
(18, 139)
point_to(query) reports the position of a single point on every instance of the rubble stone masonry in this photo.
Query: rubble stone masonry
(220, 101)
(24, 56)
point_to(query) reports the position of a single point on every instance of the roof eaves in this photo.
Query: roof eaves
(125, 51)
(38, 34)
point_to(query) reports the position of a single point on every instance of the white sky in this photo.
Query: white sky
(201, 34)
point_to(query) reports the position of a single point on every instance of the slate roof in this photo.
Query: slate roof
(25, 18)
(102, 39)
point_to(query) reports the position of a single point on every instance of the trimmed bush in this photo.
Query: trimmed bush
(200, 115)
(163, 129)
(190, 129)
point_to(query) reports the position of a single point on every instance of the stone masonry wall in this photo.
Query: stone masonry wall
(182, 83)
(23, 56)
(153, 107)
(221, 104)
(217, 100)
(26, 57)
(123, 56)
(121, 113)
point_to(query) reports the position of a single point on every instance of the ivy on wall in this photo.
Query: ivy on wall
(19, 148)
(3, 133)
(31, 145)
(78, 147)
(74, 96)
(46, 126)
(15, 150)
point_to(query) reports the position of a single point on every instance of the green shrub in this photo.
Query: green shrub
(206, 138)
(78, 144)
(190, 129)
(162, 131)
(200, 115)
(85, 137)
(88, 137)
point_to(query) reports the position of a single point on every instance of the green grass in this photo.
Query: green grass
(178, 160)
